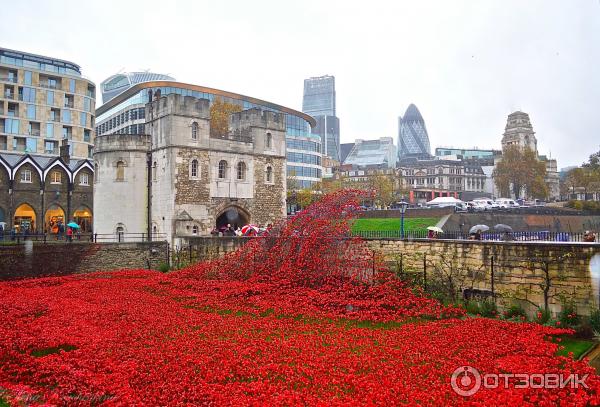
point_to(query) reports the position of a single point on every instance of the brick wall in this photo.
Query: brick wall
(36, 260)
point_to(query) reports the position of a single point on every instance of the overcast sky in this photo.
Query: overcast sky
(465, 64)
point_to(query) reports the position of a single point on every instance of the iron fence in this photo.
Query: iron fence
(20, 238)
(540, 236)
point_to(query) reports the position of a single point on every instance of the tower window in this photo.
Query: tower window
(120, 171)
(194, 169)
(241, 171)
(194, 131)
(222, 169)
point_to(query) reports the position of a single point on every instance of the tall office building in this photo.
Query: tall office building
(319, 102)
(120, 82)
(413, 140)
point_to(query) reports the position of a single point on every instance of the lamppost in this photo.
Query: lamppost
(403, 206)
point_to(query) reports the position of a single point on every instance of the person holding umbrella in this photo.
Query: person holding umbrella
(71, 226)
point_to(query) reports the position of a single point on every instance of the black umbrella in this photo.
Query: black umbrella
(502, 228)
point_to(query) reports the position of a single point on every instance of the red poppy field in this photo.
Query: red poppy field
(304, 316)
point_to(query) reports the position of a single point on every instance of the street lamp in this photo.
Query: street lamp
(403, 206)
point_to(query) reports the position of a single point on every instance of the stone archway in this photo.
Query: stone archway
(233, 215)
(25, 219)
(83, 217)
(54, 219)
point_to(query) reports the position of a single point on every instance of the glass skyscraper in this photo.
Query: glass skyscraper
(413, 140)
(319, 102)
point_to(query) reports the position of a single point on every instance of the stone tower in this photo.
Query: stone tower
(519, 132)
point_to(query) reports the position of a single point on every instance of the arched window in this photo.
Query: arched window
(194, 131)
(222, 169)
(269, 141)
(241, 170)
(269, 174)
(194, 169)
(120, 171)
(194, 230)
(154, 171)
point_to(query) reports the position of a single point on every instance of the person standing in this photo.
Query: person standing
(69, 234)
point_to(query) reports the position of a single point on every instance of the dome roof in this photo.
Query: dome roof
(412, 113)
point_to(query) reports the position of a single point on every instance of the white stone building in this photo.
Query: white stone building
(197, 181)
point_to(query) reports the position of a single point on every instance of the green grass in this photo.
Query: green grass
(577, 346)
(3, 402)
(392, 224)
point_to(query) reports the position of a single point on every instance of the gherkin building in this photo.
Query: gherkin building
(413, 140)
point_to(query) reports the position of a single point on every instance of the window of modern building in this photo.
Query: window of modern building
(269, 174)
(87, 137)
(27, 78)
(66, 116)
(67, 133)
(52, 82)
(55, 177)
(84, 178)
(31, 112)
(194, 169)
(222, 169)
(27, 94)
(194, 131)
(269, 142)
(241, 171)
(69, 101)
(31, 145)
(82, 119)
(49, 97)
(120, 171)
(87, 104)
(50, 147)
(26, 176)
(11, 126)
(72, 85)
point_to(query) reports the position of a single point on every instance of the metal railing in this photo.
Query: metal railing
(20, 238)
(8, 79)
(528, 236)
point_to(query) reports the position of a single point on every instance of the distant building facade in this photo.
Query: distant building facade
(191, 181)
(38, 193)
(413, 140)
(119, 83)
(380, 153)
(467, 154)
(519, 132)
(319, 102)
(44, 100)
(125, 114)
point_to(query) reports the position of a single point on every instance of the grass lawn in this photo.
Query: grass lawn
(392, 224)
(577, 346)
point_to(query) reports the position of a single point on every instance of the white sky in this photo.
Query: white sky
(465, 64)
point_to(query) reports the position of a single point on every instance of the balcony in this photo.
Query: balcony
(35, 133)
(10, 96)
(11, 79)
(70, 105)
(49, 85)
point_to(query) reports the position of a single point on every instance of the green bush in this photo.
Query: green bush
(472, 307)
(595, 321)
(568, 315)
(488, 309)
(163, 267)
(515, 311)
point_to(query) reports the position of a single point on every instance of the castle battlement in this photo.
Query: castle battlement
(178, 105)
(256, 117)
(123, 142)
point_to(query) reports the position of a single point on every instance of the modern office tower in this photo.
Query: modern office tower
(413, 140)
(379, 153)
(319, 102)
(42, 101)
(126, 114)
(120, 82)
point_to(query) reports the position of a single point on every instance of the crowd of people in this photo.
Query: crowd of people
(246, 231)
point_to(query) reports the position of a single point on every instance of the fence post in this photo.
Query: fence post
(373, 264)
(190, 251)
(492, 279)
(424, 272)
(168, 257)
